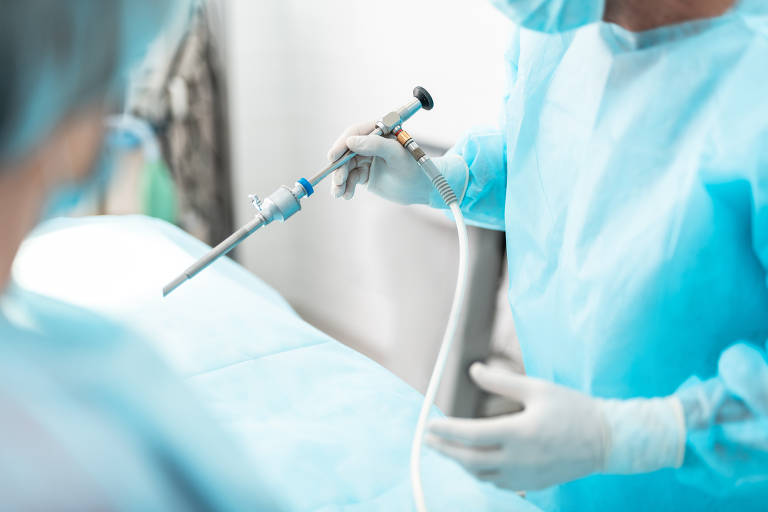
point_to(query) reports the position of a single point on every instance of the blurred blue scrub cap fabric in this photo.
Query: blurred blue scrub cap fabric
(57, 56)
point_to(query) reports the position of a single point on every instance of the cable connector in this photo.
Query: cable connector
(428, 166)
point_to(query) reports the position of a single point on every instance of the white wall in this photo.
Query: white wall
(374, 275)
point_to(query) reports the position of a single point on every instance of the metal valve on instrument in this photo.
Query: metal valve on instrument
(255, 201)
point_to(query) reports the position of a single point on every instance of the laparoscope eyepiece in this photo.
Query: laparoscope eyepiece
(424, 97)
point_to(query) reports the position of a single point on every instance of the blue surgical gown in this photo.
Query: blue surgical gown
(631, 178)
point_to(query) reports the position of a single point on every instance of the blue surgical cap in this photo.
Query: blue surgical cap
(59, 55)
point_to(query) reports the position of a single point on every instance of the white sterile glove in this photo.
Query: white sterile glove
(388, 169)
(560, 435)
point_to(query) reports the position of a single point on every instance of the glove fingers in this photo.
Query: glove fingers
(354, 178)
(339, 180)
(744, 370)
(337, 190)
(481, 433)
(475, 460)
(375, 145)
(340, 145)
(365, 172)
(501, 382)
(341, 175)
(363, 163)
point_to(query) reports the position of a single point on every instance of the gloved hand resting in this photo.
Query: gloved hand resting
(382, 163)
(560, 435)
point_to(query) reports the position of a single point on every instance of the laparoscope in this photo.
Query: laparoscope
(286, 201)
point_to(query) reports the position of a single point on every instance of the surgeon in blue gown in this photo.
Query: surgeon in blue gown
(90, 417)
(630, 175)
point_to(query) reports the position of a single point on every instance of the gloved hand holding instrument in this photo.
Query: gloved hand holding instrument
(381, 164)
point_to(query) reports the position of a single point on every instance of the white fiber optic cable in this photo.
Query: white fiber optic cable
(442, 357)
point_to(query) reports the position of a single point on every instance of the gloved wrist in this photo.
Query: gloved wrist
(642, 435)
(456, 172)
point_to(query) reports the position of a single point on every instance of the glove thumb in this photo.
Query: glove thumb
(501, 382)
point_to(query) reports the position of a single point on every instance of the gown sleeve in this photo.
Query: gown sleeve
(476, 168)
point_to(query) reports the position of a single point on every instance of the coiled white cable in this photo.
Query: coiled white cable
(442, 357)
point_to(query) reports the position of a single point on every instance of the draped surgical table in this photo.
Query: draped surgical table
(333, 426)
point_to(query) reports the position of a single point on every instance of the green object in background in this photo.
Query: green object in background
(158, 192)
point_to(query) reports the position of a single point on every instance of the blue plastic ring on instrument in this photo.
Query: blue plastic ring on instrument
(307, 186)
